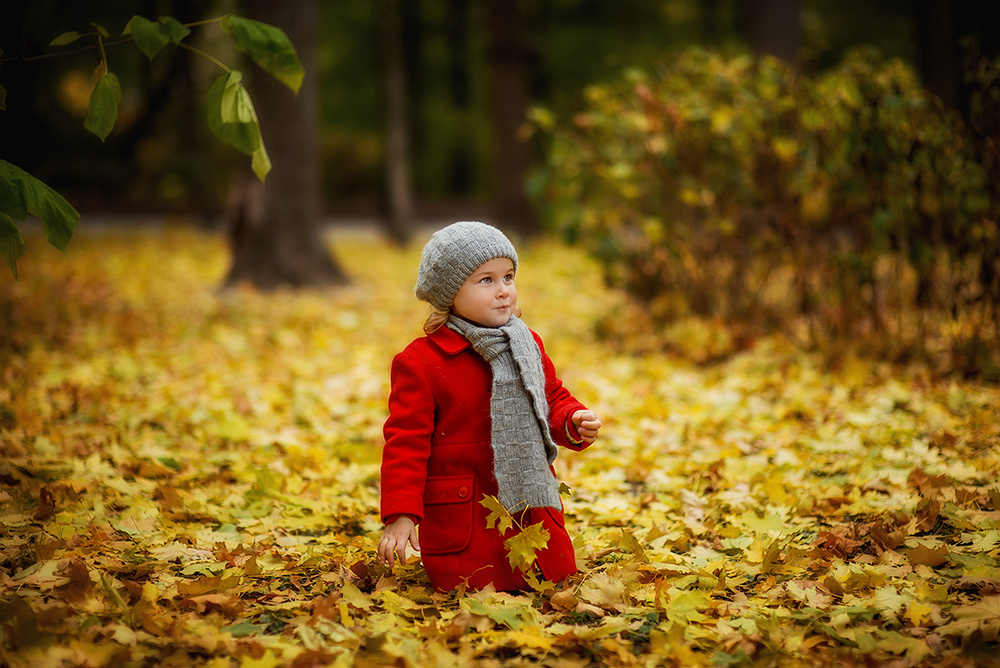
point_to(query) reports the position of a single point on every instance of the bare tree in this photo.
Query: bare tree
(774, 27)
(275, 229)
(952, 35)
(510, 61)
(399, 189)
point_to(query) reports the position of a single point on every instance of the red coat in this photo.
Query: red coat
(437, 464)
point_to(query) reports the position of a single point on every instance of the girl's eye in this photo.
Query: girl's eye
(486, 279)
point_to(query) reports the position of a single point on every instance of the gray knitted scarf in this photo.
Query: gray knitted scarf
(522, 446)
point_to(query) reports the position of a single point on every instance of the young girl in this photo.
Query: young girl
(475, 410)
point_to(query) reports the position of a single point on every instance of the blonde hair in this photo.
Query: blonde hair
(435, 319)
(438, 317)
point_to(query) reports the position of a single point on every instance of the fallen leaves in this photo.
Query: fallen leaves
(192, 478)
(982, 618)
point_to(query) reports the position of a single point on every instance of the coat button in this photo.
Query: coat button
(463, 491)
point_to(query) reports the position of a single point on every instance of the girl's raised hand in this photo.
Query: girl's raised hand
(588, 424)
(394, 540)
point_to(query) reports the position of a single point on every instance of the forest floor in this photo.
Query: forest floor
(191, 477)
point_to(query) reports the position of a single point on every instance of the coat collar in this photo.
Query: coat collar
(448, 340)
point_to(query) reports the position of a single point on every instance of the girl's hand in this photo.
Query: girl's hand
(587, 423)
(394, 540)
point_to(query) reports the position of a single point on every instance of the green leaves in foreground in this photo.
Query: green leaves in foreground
(103, 111)
(66, 38)
(231, 114)
(268, 46)
(232, 117)
(151, 36)
(11, 244)
(22, 194)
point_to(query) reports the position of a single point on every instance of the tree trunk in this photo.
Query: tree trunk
(950, 33)
(275, 228)
(940, 57)
(509, 60)
(399, 188)
(462, 165)
(775, 28)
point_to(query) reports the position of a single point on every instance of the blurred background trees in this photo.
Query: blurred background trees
(660, 135)
(467, 66)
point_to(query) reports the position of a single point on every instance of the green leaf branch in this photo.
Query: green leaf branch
(230, 116)
(22, 194)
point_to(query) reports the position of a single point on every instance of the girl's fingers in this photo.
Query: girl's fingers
(386, 551)
(589, 428)
(392, 544)
(586, 420)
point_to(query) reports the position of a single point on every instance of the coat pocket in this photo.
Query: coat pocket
(448, 511)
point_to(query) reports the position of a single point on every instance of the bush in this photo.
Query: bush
(832, 207)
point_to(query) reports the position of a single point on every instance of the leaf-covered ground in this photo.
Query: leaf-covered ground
(191, 478)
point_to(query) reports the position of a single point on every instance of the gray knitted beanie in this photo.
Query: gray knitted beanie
(451, 256)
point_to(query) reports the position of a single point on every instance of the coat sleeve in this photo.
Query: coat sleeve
(408, 431)
(562, 405)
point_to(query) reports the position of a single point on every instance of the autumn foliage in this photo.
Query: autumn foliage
(844, 206)
(190, 477)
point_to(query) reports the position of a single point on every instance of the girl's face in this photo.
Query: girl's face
(488, 296)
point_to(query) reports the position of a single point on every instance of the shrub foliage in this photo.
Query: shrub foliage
(832, 207)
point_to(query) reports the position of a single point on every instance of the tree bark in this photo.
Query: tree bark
(462, 164)
(950, 33)
(510, 60)
(276, 235)
(399, 187)
(940, 57)
(775, 28)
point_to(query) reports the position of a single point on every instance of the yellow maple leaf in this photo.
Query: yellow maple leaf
(809, 593)
(532, 636)
(523, 547)
(684, 606)
(355, 597)
(983, 616)
(604, 591)
(268, 660)
(916, 613)
(498, 517)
